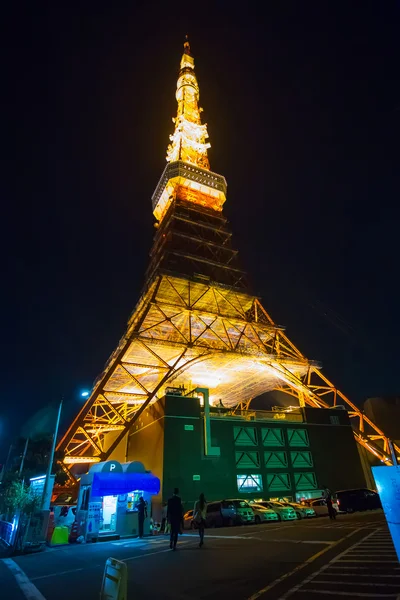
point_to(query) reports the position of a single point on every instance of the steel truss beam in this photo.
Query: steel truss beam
(184, 330)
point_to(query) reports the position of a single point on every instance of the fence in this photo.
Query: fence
(7, 532)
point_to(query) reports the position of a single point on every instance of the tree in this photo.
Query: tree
(16, 496)
(37, 457)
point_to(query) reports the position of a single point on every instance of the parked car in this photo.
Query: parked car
(285, 513)
(263, 514)
(357, 500)
(229, 512)
(319, 506)
(302, 512)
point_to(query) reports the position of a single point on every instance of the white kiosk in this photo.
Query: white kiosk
(108, 497)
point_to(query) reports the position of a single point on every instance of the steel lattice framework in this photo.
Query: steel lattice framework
(196, 325)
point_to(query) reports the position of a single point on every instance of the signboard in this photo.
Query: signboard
(93, 518)
(37, 485)
(189, 428)
(388, 485)
(196, 477)
(115, 581)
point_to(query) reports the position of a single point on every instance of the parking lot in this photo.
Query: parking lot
(272, 560)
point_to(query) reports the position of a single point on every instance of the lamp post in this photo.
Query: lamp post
(51, 459)
(83, 394)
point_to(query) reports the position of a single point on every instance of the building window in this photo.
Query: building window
(247, 459)
(249, 483)
(298, 437)
(275, 460)
(278, 482)
(245, 436)
(272, 436)
(334, 420)
(305, 481)
(302, 458)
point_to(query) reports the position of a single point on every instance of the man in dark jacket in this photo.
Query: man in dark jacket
(175, 517)
(142, 514)
(329, 504)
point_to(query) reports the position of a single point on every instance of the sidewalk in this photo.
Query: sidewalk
(10, 589)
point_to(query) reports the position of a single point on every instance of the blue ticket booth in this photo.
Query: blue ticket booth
(108, 497)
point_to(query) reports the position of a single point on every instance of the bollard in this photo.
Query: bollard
(115, 581)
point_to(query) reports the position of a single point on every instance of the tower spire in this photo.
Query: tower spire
(189, 140)
(186, 45)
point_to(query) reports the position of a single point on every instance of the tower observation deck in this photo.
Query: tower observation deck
(196, 324)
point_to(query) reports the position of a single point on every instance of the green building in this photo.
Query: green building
(284, 453)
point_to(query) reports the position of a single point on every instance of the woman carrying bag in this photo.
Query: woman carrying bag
(199, 516)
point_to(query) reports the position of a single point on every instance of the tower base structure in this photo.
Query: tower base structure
(193, 333)
(291, 453)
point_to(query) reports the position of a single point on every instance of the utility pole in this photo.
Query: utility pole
(4, 469)
(23, 457)
(51, 459)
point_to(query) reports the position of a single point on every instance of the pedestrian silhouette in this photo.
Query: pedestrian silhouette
(175, 518)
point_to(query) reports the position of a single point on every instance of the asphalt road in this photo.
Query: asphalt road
(312, 558)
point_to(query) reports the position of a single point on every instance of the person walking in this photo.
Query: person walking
(142, 514)
(175, 517)
(199, 516)
(164, 518)
(329, 504)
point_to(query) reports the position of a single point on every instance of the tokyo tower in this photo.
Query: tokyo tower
(196, 325)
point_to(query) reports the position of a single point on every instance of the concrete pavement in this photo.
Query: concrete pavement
(245, 563)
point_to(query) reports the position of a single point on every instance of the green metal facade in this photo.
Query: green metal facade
(258, 458)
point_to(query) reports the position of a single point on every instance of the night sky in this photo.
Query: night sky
(303, 112)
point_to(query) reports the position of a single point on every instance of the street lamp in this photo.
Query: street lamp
(84, 394)
(51, 459)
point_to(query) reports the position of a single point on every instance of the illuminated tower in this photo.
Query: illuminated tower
(196, 325)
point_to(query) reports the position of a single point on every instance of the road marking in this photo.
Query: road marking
(396, 562)
(360, 574)
(360, 568)
(59, 573)
(301, 566)
(222, 537)
(359, 583)
(308, 579)
(338, 561)
(185, 545)
(29, 590)
(358, 594)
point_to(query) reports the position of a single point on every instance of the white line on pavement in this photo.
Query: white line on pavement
(58, 573)
(359, 574)
(184, 545)
(396, 562)
(222, 537)
(359, 583)
(359, 567)
(299, 586)
(29, 590)
(301, 566)
(358, 594)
